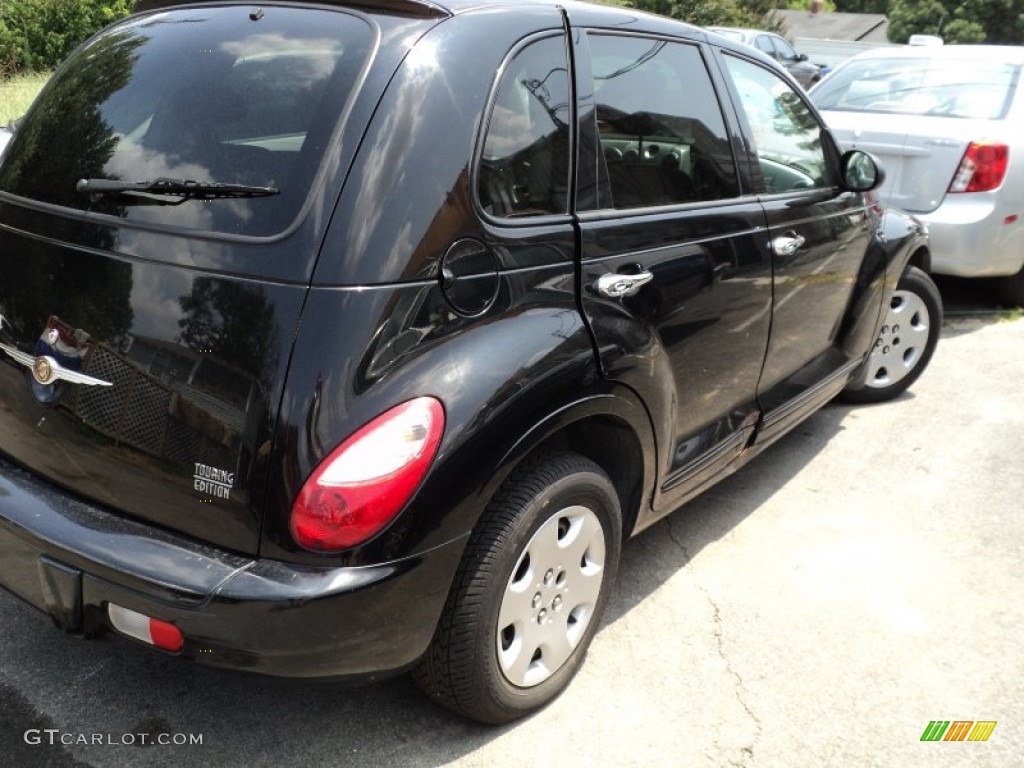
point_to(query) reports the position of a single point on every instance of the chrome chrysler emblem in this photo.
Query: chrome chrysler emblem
(42, 370)
(46, 370)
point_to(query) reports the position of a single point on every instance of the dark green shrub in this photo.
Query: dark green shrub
(37, 35)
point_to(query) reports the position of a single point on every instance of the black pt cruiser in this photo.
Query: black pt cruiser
(340, 339)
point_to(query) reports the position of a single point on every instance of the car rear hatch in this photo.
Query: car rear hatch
(919, 116)
(145, 328)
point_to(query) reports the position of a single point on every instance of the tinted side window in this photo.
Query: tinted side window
(524, 169)
(662, 133)
(787, 135)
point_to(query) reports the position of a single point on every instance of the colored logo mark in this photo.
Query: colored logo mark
(958, 730)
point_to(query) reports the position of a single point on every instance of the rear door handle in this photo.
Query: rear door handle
(787, 244)
(616, 285)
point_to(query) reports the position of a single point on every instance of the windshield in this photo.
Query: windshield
(973, 89)
(212, 95)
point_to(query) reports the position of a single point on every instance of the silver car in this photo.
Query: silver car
(948, 124)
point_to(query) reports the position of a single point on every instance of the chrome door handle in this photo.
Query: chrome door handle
(617, 285)
(787, 244)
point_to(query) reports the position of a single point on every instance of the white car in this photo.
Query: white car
(948, 124)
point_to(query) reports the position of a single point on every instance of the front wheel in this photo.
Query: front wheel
(906, 342)
(528, 595)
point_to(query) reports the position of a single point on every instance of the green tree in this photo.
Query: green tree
(964, 31)
(37, 35)
(998, 22)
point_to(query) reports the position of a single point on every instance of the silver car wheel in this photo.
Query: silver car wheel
(551, 596)
(902, 341)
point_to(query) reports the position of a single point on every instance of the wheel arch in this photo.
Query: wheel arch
(905, 239)
(611, 429)
(921, 258)
(611, 444)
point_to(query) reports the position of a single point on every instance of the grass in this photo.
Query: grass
(17, 93)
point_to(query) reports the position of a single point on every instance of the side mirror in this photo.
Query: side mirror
(861, 172)
(801, 57)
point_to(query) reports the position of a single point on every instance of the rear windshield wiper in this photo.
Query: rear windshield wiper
(159, 189)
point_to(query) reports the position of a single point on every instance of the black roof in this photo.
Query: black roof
(442, 8)
(584, 13)
(423, 8)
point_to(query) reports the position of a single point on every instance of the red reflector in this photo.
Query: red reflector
(156, 632)
(166, 636)
(982, 168)
(1010, 219)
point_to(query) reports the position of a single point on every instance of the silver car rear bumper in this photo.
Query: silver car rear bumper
(976, 235)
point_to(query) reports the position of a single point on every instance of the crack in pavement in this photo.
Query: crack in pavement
(740, 689)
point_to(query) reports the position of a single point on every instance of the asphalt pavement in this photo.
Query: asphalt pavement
(855, 583)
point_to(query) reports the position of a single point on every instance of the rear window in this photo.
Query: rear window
(971, 89)
(231, 95)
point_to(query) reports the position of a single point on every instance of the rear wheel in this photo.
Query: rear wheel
(529, 592)
(906, 342)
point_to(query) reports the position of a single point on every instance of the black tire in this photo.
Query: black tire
(563, 494)
(906, 343)
(1011, 289)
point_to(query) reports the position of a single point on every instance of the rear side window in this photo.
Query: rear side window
(524, 167)
(213, 94)
(973, 89)
(661, 129)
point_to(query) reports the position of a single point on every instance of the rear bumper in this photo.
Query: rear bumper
(970, 236)
(70, 560)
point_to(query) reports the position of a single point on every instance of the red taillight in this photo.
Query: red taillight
(365, 481)
(982, 168)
